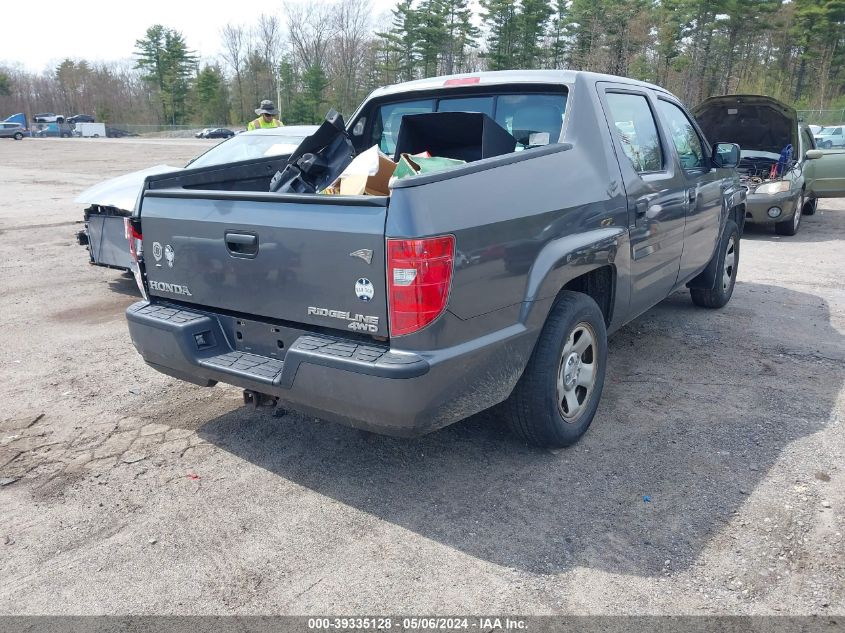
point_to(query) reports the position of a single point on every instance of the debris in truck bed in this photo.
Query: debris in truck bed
(419, 164)
(368, 174)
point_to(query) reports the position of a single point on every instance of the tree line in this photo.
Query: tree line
(331, 53)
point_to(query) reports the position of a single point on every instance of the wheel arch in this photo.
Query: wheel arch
(584, 263)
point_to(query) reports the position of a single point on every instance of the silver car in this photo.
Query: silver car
(12, 130)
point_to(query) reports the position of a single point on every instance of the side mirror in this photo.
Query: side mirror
(726, 155)
(813, 154)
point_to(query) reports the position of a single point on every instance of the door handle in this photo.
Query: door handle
(241, 244)
(691, 195)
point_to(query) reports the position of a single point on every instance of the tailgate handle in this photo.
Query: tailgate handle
(242, 244)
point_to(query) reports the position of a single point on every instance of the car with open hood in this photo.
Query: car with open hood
(113, 200)
(780, 166)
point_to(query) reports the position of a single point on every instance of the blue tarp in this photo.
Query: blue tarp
(20, 117)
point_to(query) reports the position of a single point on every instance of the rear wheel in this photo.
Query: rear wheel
(727, 264)
(790, 226)
(556, 399)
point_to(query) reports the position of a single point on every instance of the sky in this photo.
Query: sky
(106, 31)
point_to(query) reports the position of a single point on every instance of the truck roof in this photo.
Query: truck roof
(499, 77)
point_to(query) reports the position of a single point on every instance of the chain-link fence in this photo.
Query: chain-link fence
(173, 131)
(822, 117)
(55, 129)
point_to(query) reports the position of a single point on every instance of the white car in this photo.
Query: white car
(110, 202)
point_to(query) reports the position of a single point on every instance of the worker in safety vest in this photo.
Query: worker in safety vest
(267, 114)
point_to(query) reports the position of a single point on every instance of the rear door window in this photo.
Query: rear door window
(634, 122)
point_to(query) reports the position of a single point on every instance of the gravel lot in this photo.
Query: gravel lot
(127, 492)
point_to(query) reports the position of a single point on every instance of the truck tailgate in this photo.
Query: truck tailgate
(301, 258)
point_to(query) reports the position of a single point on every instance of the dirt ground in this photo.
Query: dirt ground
(711, 481)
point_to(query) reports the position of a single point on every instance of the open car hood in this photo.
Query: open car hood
(121, 192)
(754, 122)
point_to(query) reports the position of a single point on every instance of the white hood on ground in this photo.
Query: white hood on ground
(121, 192)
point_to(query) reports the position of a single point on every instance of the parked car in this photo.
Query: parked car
(111, 202)
(353, 309)
(217, 132)
(48, 117)
(12, 130)
(831, 136)
(775, 163)
(62, 130)
(116, 132)
(80, 118)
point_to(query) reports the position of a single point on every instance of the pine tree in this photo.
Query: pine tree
(500, 17)
(531, 23)
(461, 34)
(168, 63)
(431, 34)
(402, 41)
(211, 97)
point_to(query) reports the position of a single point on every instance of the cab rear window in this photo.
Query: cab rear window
(533, 119)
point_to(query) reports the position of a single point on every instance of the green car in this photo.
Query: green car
(782, 186)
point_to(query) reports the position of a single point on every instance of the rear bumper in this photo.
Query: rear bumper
(362, 385)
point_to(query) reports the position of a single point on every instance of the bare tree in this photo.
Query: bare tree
(234, 51)
(268, 34)
(350, 45)
(310, 28)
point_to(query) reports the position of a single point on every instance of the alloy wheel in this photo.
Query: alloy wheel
(730, 264)
(576, 377)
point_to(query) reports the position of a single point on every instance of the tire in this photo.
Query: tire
(555, 400)
(728, 263)
(810, 206)
(790, 226)
(96, 136)
(18, 136)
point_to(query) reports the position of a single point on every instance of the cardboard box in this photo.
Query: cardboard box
(369, 174)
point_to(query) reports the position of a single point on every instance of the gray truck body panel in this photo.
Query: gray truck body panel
(526, 225)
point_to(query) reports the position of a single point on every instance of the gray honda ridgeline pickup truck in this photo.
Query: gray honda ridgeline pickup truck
(496, 281)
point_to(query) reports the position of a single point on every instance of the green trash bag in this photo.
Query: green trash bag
(413, 165)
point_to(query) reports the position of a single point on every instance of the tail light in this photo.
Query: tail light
(419, 273)
(133, 235)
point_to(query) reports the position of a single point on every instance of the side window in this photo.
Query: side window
(634, 122)
(809, 141)
(389, 117)
(684, 136)
(838, 131)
